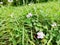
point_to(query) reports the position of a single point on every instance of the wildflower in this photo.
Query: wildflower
(10, 0)
(40, 35)
(29, 4)
(54, 24)
(29, 15)
(1, 2)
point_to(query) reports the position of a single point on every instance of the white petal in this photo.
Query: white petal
(54, 24)
(40, 33)
(30, 14)
(40, 37)
(1, 2)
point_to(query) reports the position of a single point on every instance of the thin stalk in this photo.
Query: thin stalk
(31, 42)
(23, 36)
(26, 1)
(23, 2)
(31, 35)
(48, 43)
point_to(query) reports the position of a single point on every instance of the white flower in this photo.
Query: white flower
(54, 24)
(40, 35)
(1, 2)
(29, 4)
(10, 0)
(29, 15)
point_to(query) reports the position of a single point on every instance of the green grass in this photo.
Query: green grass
(13, 20)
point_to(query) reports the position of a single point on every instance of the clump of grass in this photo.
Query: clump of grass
(17, 29)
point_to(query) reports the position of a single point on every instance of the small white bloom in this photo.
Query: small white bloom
(29, 4)
(29, 15)
(40, 35)
(54, 24)
(10, 0)
(1, 2)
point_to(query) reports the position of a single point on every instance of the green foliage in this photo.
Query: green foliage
(24, 2)
(17, 29)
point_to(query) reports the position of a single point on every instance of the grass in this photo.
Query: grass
(15, 31)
